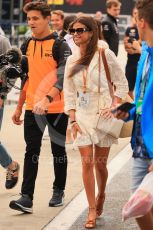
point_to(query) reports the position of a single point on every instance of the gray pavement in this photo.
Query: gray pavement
(117, 193)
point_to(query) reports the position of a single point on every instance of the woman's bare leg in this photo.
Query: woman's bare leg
(88, 178)
(101, 156)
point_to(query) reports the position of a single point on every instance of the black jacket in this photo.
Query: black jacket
(111, 32)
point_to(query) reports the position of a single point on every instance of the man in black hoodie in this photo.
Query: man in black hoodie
(42, 92)
(109, 24)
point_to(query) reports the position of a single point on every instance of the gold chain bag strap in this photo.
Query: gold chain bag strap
(111, 126)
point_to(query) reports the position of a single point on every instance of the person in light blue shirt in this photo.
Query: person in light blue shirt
(142, 113)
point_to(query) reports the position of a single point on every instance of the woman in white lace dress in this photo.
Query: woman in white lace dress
(81, 103)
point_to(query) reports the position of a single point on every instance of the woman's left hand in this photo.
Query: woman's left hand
(106, 113)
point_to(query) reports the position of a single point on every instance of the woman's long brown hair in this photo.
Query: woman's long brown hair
(91, 48)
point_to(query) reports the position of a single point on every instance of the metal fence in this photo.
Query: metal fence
(17, 39)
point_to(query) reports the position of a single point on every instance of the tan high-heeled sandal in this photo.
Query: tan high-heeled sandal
(99, 204)
(90, 224)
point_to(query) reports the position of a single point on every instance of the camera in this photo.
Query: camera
(131, 40)
(12, 66)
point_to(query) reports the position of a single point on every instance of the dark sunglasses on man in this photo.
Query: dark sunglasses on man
(78, 31)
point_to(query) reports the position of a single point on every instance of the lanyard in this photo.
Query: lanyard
(85, 72)
(145, 75)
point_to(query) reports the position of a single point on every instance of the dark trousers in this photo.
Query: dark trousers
(34, 126)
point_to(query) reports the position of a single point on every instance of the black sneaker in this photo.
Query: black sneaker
(12, 176)
(24, 204)
(57, 198)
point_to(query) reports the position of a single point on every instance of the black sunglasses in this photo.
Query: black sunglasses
(78, 31)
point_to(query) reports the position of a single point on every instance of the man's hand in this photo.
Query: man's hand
(136, 46)
(121, 115)
(41, 107)
(16, 117)
(128, 46)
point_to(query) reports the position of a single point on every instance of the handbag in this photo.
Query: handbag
(111, 126)
(126, 130)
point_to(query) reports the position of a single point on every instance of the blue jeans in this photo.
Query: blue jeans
(5, 158)
(139, 171)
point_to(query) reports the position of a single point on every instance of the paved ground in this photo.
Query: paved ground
(73, 216)
(117, 194)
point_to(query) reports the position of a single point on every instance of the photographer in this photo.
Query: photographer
(132, 47)
(5, 159)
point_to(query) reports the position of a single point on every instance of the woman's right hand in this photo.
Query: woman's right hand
(128, 46)
(75, 128)
(16, 117)
(137, 47)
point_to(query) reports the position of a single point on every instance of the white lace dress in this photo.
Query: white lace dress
(85, 116)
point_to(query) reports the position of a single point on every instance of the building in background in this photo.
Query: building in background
(11, 10)
(11, 13)
(75, 6)
(95, 5)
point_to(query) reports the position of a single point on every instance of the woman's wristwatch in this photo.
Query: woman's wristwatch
(50, 98)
